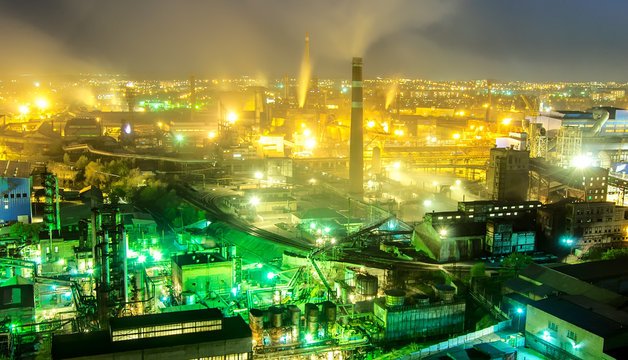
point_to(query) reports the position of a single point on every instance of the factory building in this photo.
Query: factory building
(408, 318)
(507, 175)
(200, 273)
(197, 334)
(575, 327)
(477, 227)
(15, 191)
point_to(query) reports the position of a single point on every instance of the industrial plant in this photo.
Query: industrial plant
(304, 217)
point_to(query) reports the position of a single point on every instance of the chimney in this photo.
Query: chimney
(356, 161)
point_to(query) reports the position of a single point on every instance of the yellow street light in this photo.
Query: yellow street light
(506, 121)
(370, 124)
(24, 109)
(307, 132)
(211, 135)
(456, 136)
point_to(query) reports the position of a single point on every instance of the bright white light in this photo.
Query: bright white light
(179, 137)
(307, 132)
(271, 275)
(519, 310)
(259, 175)
(309, 337)
(254, 201)
(427, 202)
(141, 259)
(434, 139)
(41, 103)
(333, 240)
(435, 183)
(458, 182)
(157, 255)
(581, 161)
(327, 230)
(310, 144)
(506, 121)
(370, 124)
(397, 165)
(443, 232)
(456, 136)
(24, 109)
(232, 117)
(127, 129)
(210, 135)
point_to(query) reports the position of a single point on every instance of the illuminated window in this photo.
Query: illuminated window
(552, 326)
(572, 335)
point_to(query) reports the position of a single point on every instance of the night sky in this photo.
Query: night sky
(434, 39)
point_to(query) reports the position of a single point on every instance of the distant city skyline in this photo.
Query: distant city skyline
(437, 40)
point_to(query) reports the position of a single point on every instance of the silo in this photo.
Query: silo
(276, 315)
(295, 320)
(446, 292)
(395, 297)
(329, 309)
(422, 299)
(256, 323)
(366, 285)
(311, 315)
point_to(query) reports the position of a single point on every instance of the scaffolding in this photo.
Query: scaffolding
(568, 144)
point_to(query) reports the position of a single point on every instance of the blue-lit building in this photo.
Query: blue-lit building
(603, 121)
(15, 191)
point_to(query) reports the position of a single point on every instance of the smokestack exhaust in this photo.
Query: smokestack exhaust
(356, 154)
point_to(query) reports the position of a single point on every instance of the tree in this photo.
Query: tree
(66, 159)
(613, 254)
(515, 262)
(82, 162)
(25, 231)
(478, 270)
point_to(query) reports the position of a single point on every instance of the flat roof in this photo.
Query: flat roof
(595, 270)
(131, 322)
(581, 317)
(15, 169)
(99, 342)
(197, 258)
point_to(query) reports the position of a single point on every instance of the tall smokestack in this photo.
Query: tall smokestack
(356, 161)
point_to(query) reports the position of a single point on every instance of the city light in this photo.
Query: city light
(258, 175)
(370, 124)
(443, 232)
(506, 121)
(41, 103)
(24, 109)
(456, 136)
(141, 259)
(307, 132)
(427, 202)
(211, 135)
(254, 201)
(179, 137)
(310, 144)
(157, 255)
(397, 165)
(232, 117)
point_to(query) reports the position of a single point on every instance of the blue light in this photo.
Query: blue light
(519, 310)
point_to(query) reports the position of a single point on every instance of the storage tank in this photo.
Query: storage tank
(422, 299)
(446, 292)
(311, 315)
(395, 297)
(256, 323)
(295, 320)
(366, 285)
(329, 309)
(188, 297)
(276, 314)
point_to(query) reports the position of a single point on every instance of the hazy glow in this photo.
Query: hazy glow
(506, 121)
(211, 135)
(307, 132)
(232, 117)
(370, 123)
(254, 201)
(443, 232)
(456, 136)
(310, 144)
(24, 109)
(258, 175)
(42, 103)
(581, 161)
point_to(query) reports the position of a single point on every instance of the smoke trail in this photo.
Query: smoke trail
(391, 93)
(306, 72)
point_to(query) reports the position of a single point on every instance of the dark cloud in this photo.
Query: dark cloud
(438, 39)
